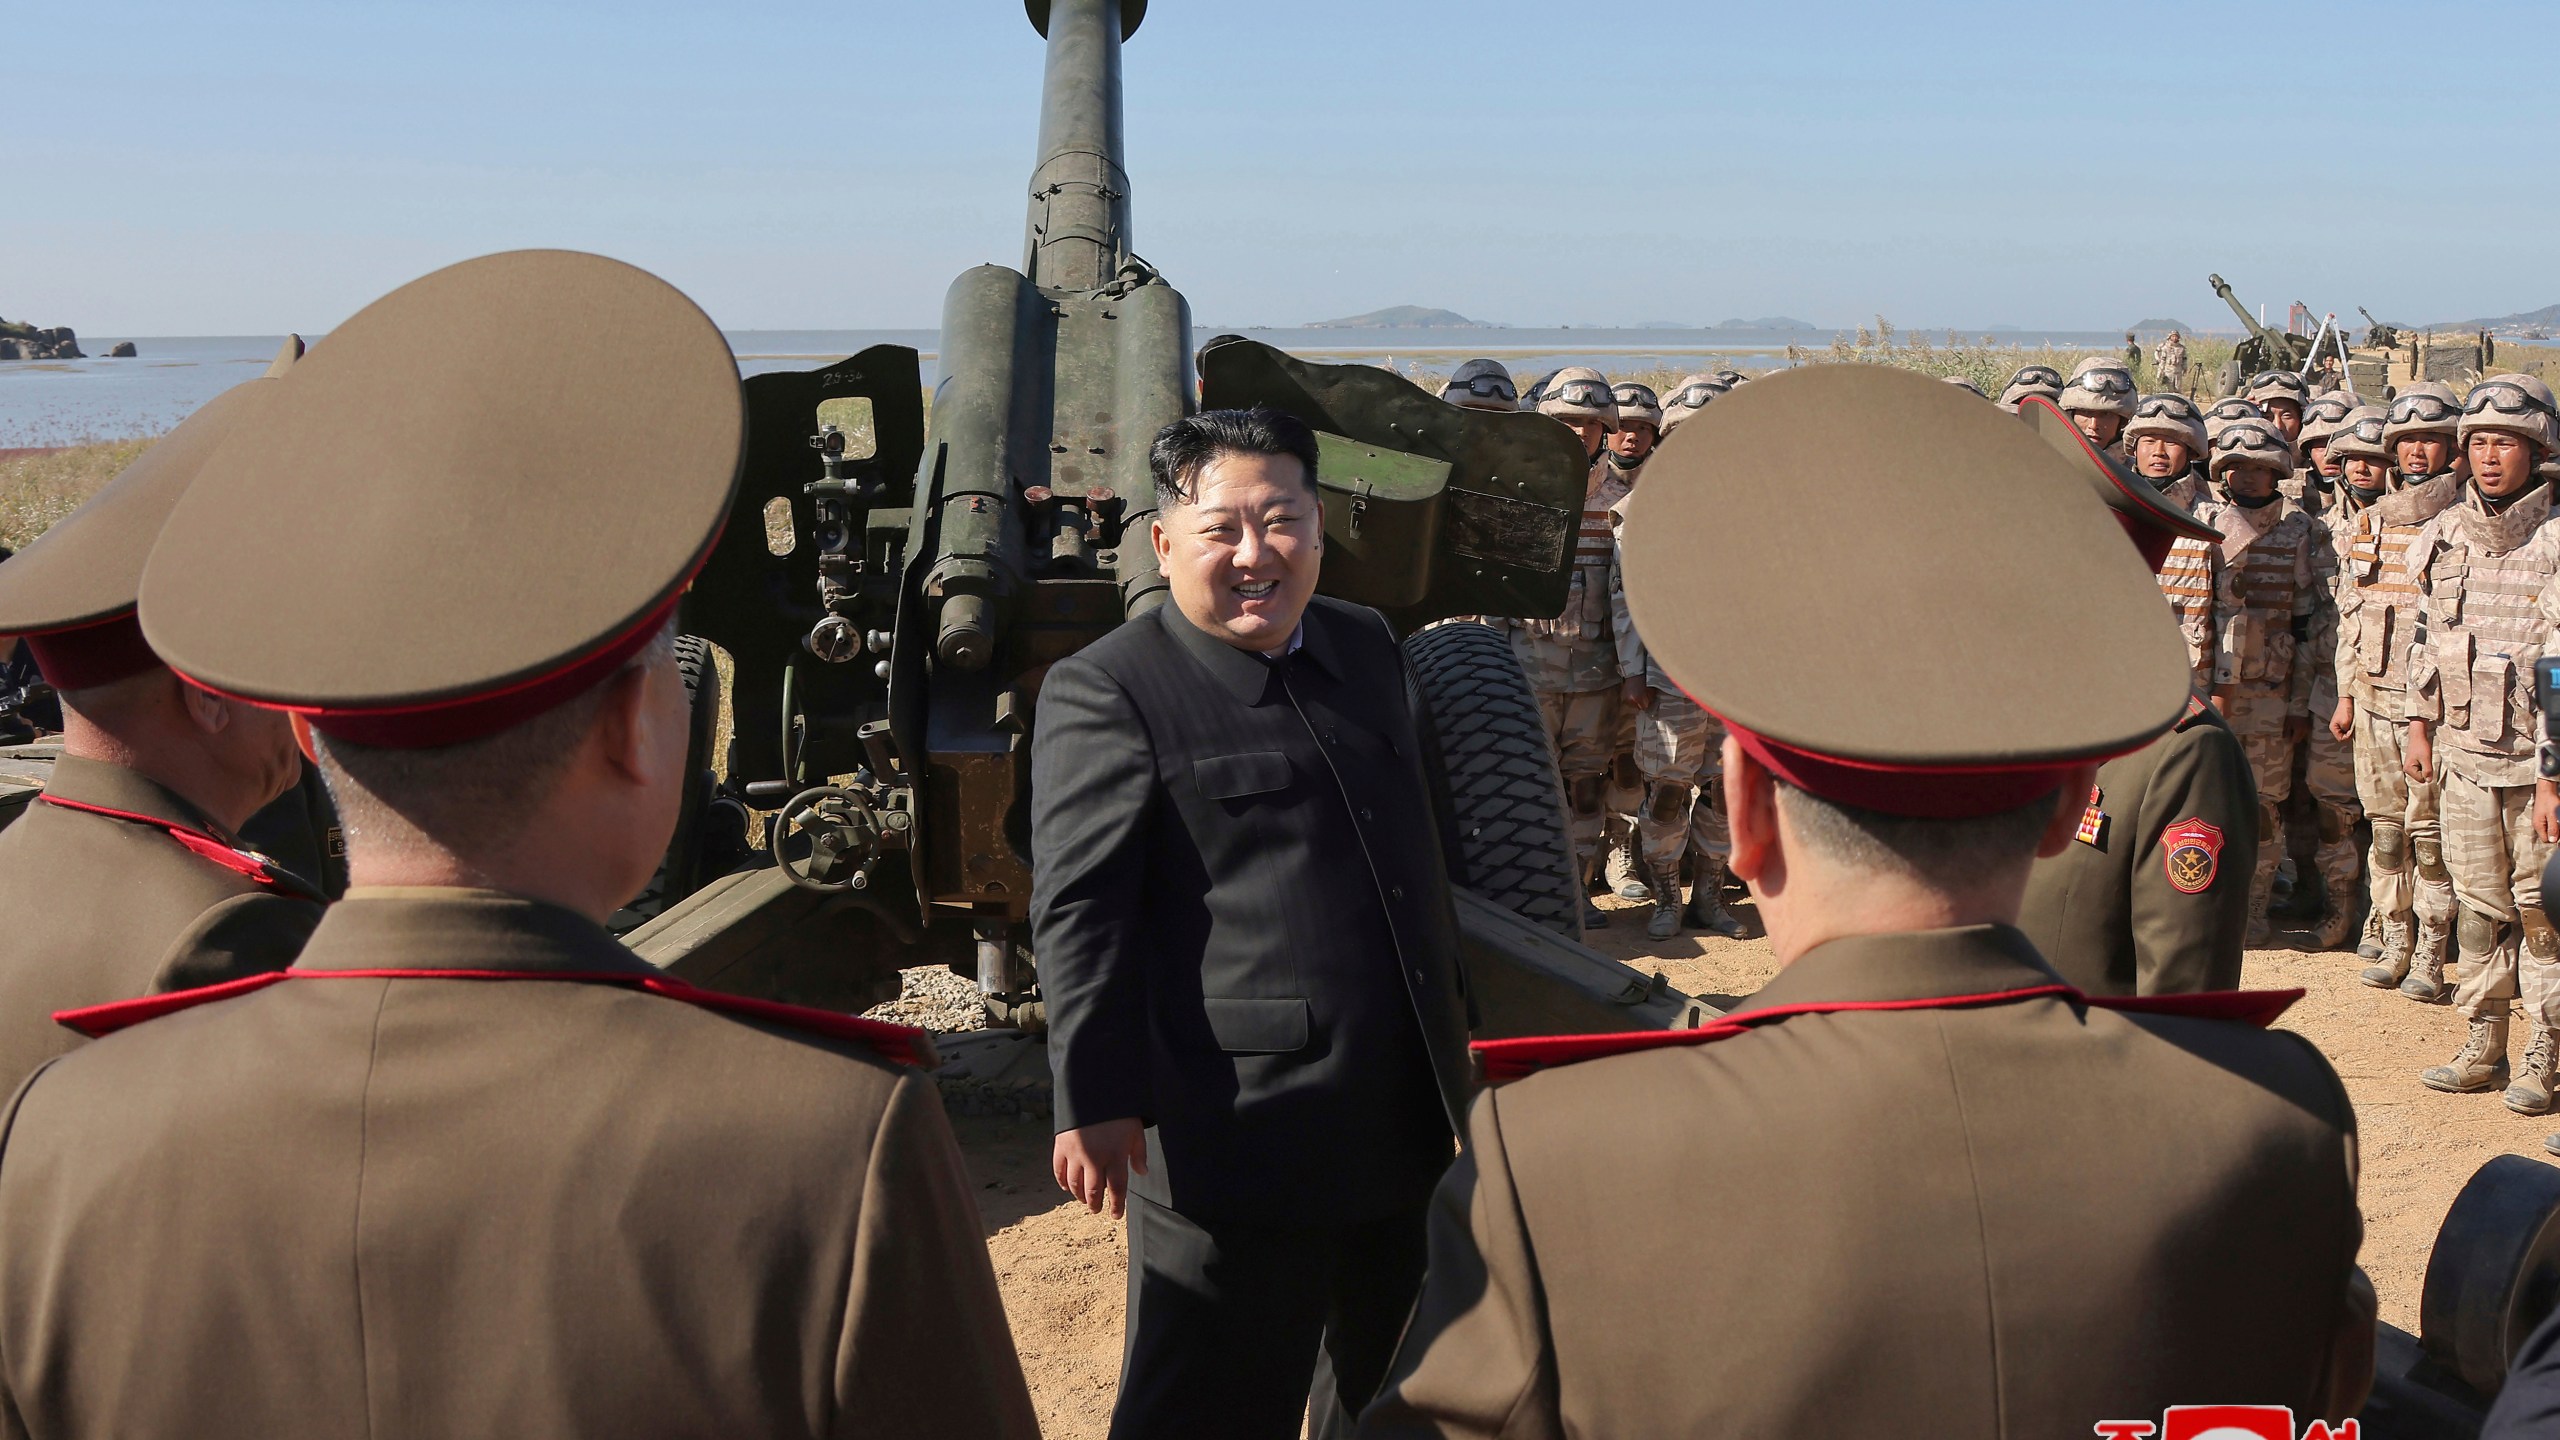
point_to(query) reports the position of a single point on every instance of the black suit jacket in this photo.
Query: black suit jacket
(1242, 918)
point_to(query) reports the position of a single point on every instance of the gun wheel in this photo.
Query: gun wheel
(1501, 774)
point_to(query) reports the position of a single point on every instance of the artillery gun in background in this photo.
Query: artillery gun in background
(891, 595)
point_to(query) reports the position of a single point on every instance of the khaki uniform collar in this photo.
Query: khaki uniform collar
(2509, 528)
(110, 786)
(1912, 965)
(380, 927)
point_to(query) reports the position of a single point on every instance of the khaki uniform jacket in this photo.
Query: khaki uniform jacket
(370, 1202)
(99, 908)
(2008, 1219)
(2152, 895)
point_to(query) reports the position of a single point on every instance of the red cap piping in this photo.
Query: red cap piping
(92, 653)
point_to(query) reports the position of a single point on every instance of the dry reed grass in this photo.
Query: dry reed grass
(38, 489)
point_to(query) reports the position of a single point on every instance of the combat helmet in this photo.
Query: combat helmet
(2041, 380)
(2228, 411)
(2428, 407)
(2171, 416)
(2098, 385)
(2250, 442)
(1578, 392)
(2516, 405)
(2359, 435)
(1730, 379)
(2327, 412)
(1637, 405)
(2269, 385)
(1688, 398)
(1481, 385)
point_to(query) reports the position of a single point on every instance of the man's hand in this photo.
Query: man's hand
(2419, 762)
(1636, 693)
(1093, 1161)
(2546, 812)
(2343, 724)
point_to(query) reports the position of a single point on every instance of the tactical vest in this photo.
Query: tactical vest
(2187, 578)
(2483, 629)
(2266, 582)
(2378, 595)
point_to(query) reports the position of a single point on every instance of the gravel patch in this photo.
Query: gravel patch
(931, 998)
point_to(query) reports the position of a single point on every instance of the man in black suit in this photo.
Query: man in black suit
(1247, 945)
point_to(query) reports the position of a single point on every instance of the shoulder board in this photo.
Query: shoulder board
(2194, 714)
(1506, 1060)
(256, 868)
(899, 1044)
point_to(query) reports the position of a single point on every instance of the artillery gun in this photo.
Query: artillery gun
(2261, 349)
(891, 590)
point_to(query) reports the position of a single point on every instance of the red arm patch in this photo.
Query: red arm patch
(2191, 855)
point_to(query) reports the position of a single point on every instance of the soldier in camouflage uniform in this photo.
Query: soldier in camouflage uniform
(1572, 660)
(1482, 385)
(2169, 358)
(2268, 602)
(2487, 607)
(2422, 433)
(1629, 446)
(2165, 444)
(1688, 398)
(2222, 413)
(2376, 522)
(1679, 751)
(2280, 395)
(2041, 380)
(2324, 766)
(2099, 399)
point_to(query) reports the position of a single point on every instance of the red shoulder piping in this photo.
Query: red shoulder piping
(229, 857)
(1503, 1060)
(902, 1044)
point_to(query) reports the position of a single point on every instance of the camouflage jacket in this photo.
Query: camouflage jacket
(2487, 609)
(1578, 650)
(2377, 596)
(2190, 578)
(2271, 602)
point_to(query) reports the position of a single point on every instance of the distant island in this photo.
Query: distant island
(2542, 319)
(22, 341)
(2161, 327)
(1774, 322)
(1403, 317)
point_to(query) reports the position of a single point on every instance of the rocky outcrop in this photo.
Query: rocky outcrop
(123, 350)
(29, 342)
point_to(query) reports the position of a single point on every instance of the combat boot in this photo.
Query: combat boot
(1665, 921)
(1593, 917)
(2398, 939)
(2259, 932)
(2425, 981)
(2341, 893)
(2531, 1092)
(2370, 944)
(2481, 1063)
(1706, 904)
(1626, 877)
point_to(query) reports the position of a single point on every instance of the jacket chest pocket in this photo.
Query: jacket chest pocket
(2454, 675)
(2444, 586)
(1235, 779)
(2373, 638)
(2513, 674)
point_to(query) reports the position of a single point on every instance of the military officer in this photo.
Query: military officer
(1688, 398)
(2265, 614)
(2099, 398)
(2041, 380)
(2377, 602)
(1919, 680)
(2422, 433)
(128, 877)
(1572, 660)
(2152, 895)
(2166, 444)
(1481, 385)
(2487, 605)
(470, 1166)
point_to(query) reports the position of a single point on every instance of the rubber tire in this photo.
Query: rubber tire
(680, 872)
(1501, 773)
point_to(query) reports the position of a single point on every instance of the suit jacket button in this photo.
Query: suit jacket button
(1365, 815)
(1395, 892)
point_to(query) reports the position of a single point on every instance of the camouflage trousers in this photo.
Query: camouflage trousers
(2256, 716)
(2327, 766)
(1583, 727)
(1679, 749)
(1622, 797)
(2406, 866)
(2503, 945)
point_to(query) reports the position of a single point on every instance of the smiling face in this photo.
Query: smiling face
(1242, 556)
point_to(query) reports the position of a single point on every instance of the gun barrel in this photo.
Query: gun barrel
(2246, 319)
(1078, 231)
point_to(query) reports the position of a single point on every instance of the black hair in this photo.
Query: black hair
(1184, 448)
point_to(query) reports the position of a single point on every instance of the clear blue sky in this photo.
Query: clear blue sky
(252, 167)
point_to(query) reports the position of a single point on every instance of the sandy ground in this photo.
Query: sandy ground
(1063, 1270)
